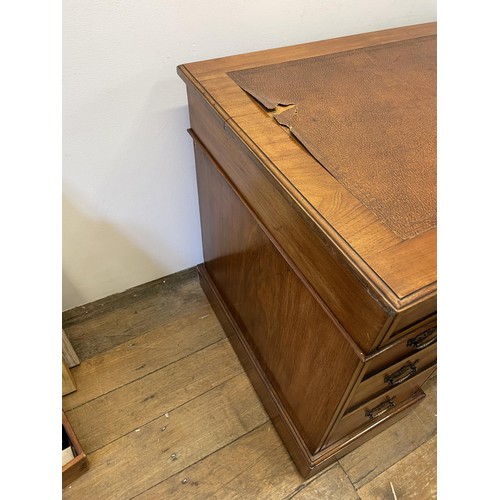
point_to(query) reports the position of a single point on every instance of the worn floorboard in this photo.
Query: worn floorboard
(333, 484)
(105, 323)
(142, 355)
(164, 410)
(165, 445)
(412, 477)
(119, 412)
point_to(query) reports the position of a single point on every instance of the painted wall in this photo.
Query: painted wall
(130, 211)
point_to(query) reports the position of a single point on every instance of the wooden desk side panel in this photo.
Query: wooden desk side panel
(345, 292)
(308, 362)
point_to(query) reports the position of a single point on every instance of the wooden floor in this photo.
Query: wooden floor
(163, 409)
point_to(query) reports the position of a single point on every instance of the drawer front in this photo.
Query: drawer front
(394, 375)
(377, 407)
(416, 339)
(419, 319)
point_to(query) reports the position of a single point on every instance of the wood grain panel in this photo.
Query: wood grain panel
(324, 266)
(278, 414)
(293, 339)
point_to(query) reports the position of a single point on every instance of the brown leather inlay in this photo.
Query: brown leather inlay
(369, 117)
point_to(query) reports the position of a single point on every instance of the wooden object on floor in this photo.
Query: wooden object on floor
(224, 444)
(67, 455)
(79, 464)
(68, 382)
(68, 352)
(313, 289)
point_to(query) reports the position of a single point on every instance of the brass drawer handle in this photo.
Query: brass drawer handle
(401, 375)
(380, 409)
(419, 341)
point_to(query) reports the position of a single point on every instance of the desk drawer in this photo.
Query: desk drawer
(394, 375)
(416, 328)
(415, 340)
(377, 407)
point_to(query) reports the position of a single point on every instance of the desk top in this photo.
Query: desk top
(348, 127)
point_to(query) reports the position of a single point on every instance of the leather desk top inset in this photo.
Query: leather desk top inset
(369, 117)
(354, 209)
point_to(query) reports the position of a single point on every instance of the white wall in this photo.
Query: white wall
(130, 211)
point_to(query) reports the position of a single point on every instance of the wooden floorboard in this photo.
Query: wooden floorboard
(143, 355)
(106, 323)
(412, 477)
(164, 410)
(119, 412)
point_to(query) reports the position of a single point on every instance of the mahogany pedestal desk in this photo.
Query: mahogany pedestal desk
(316, 177)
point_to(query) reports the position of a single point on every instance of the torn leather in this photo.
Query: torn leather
(369, 117)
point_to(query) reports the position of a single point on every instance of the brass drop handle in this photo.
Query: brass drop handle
(401, 375)
(380, 409)
(420, 342)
